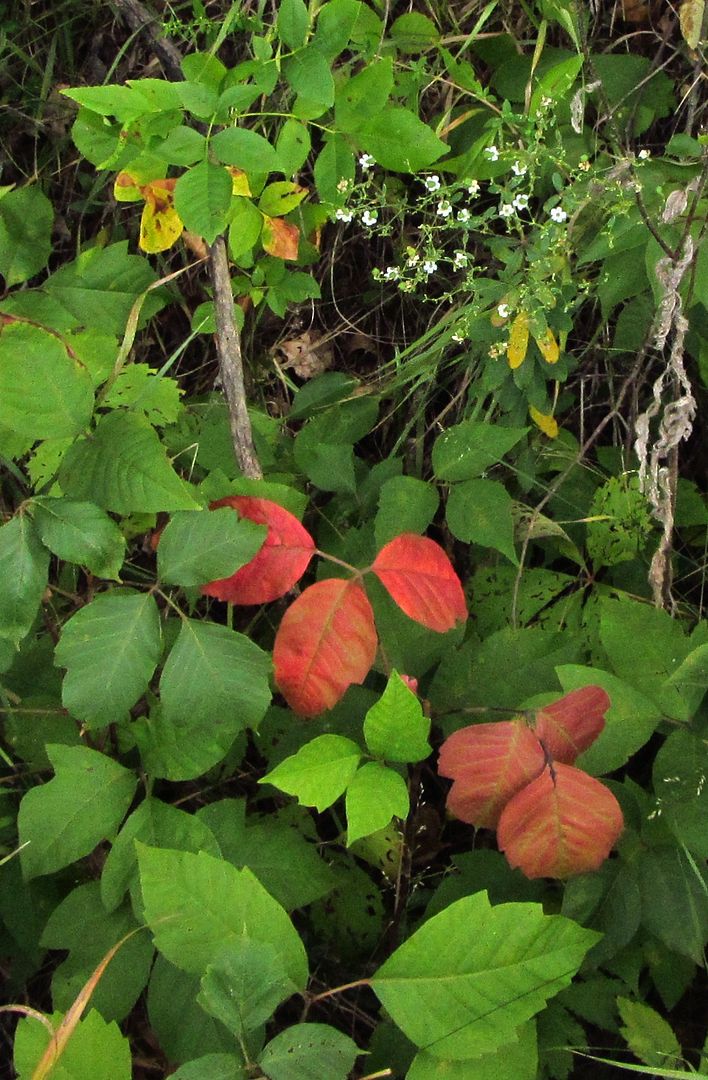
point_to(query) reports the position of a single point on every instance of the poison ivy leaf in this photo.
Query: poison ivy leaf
(110, 649)
(203, 196)
(212, 1067)
(570, 725)
(80, 532)
(406, 505)
(124, 468)
(361, 97)
(336, 22)
(467, 450)
(293, 146)
(292, 24)
(44, 392)
(320, 771)
(95, 1049)
(682, 791)
(244, 985)
(514, 1061)
(489, 763)
(563, 823)
(309, 1052)
(648, 1035)
(63, 820)
(244, 228)
(197, 905)
(414, 33)
(480, 512)
(26, 218)
(309, 74)
(182, 1028)
(246, 149)
(197, 547)
(398, 140)
(674, 894)
(420, 578)
(395, 728)
(335, 162)
(464, 982)
(160, 223)
(280, 198)
(282, 560)
(325, 642)
(24, 568)
(375, 794)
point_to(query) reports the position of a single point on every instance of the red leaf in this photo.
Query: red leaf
(489, 764)
(571, 725)
(280, 563)
(326, 641)
(280, 237)
(563, 823)
(421, 579)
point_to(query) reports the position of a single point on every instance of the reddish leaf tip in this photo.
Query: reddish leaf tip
(420, 578)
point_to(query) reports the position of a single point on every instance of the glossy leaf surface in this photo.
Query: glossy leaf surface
(421, 579)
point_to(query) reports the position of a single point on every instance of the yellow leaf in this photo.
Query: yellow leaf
(547, 424)
(160, 224)
(518, 340)
(280, 238)
(239, 181)
(548, 346)
(126, 188)
(691, 20)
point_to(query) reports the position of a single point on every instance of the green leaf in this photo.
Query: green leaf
(212, 1067)
(280, 198)
(244, 228)
(84, 803)
(203, 198)
(674, 893)
(203, 67)
(244, 985)
(197, 905)
(400, 141)
(395, 728)
(309, 1052)
(335, 163)
(648, 1035)
(26, 219)
(470, 976)
(336, 22)
(556, 82)
(196, 548)
(414, 33)
(160, 825)
(110, 649)
(320, 771)
(182, 1028)
(183, 145)
(95, 1049)
(374, 796)
(309, 75)
(405, 505)
(123, 467)
(141, 388)
(293, 146)
(24, 568)
(44, 392)
(480, 512)
(246, 149)
(81, 533)
(213, 685)
(514, 1061)
(468, 449)
(292, 24)
(681, 789)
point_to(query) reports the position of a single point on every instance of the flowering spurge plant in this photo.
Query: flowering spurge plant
(517, 776)
(327, 638)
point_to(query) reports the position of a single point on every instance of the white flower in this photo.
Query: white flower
(429, 266)
(432, 183)
(506, 210)
(546, 102)
(463, 216)
(458, 338)
(369, 217)
(343, 215)
(492, 153)
(558, 214)
(521, 202)
(503, 311)
(392, 273)
(444, 208)
(413, 258)
(460, 259)
(473, 186)
(644, 154)
(518, 168)
(367, 161)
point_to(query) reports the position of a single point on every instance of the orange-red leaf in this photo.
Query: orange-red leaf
(421, 579)
(325, 642)
(489, 764)
(280, 563)
(571, 725)
(563, 823)
(280, 237)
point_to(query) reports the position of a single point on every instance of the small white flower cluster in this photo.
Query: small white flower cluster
(369, 218)
(367, 162)
(503, 311)
(506, 210)
(492, 153)
(558, 215)
(432, 183)
(343, 215)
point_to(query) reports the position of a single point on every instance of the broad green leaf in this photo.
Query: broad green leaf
(467, 450)
(24, 568)
(64, 819)
(280, 198)
(203, 198)
(648, 1035)
(203, 67)
(556, 82)
(674, 893)
(375, 795)
(124, 468)
(400, 141)
(336, 21)
(196, 548)
(44, 392)
(292, 24)
(245, 985)
(246, 149)
(515, 1061)
(110, 649)
(95, 1049)
(182, 1028)
(414, 33)
(682, 791)
(141, 388)
(26, 218)
(308, 73)
(212, 1067)
(80, 532)
(157, 824)
(293, 146)
(320, 771)
(480, 512)
(196, 905)
(405, 505)
(306, 1051)
(335, 163)
(470, 976)
(395, 728)
(183, 146)
(244, 228)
